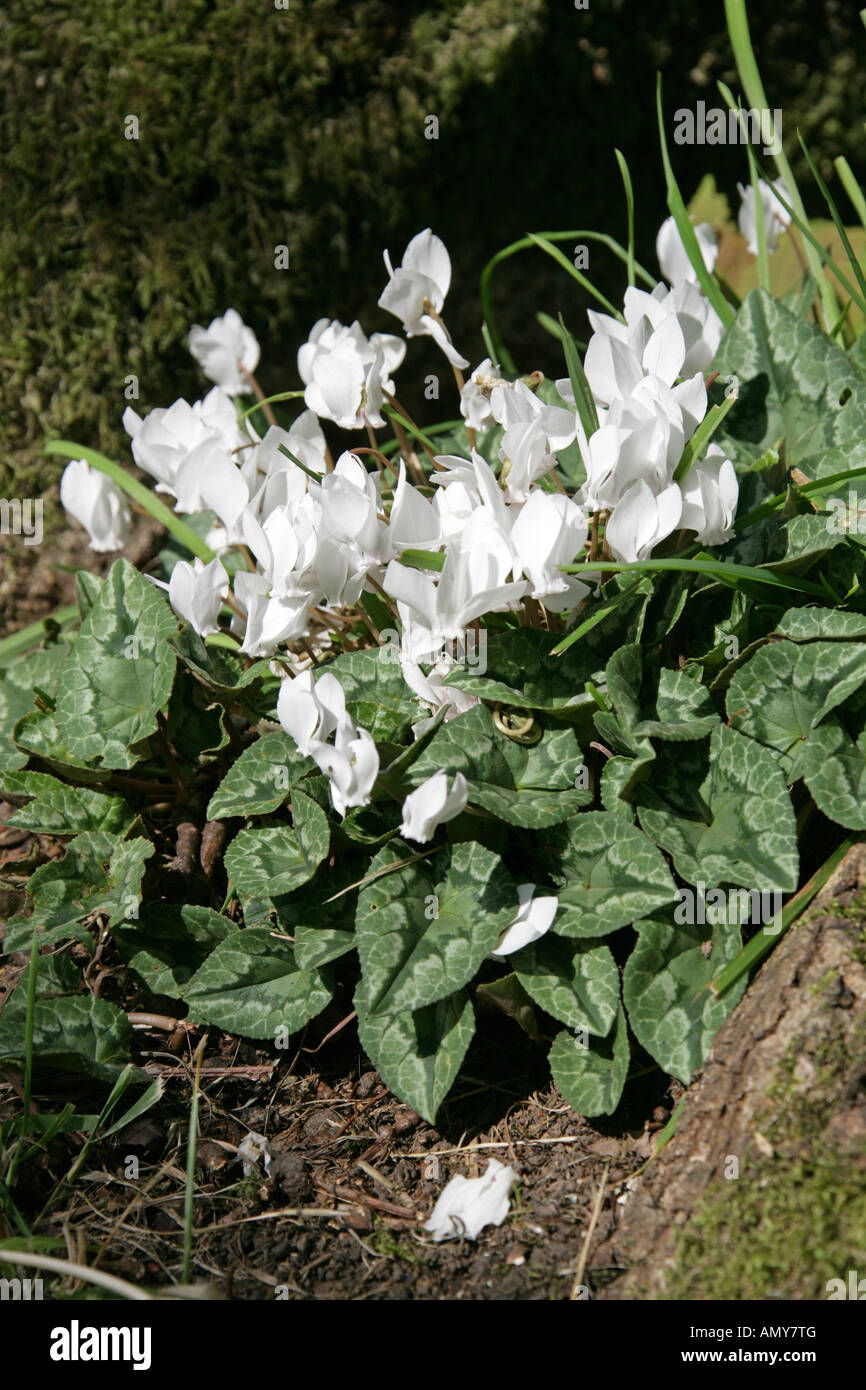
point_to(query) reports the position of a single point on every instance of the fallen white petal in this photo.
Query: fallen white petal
(467, 1205)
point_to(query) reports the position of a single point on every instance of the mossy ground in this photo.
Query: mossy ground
(780, 1231)
(305, 127)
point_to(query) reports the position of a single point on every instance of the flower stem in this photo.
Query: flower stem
(260, 397)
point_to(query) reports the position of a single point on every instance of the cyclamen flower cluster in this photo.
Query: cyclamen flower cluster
(647, 377)
(298, 539)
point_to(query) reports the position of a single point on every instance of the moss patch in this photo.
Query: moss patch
(781, 1233)
(305, 126)
(794, 1220)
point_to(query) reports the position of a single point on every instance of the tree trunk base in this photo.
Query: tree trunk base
(761, 1193)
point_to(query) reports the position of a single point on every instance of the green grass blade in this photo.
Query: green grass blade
(583, 397)
(145, 1102)
(806, 296)
(744, 55)
(723, 570)
(500, 353)
(141, 494)
(684, 226)
(117, 1091)
(629, 203)
(316, 477)
(760, 222)
(489, 345)
(423, 559)
(223, 639)
(578, 275)
(841, 323)
(598, 616)
(764, 941)
(665, 1135)
(269, 400)
(552, 327)
(411, 430)
(851, 186)
(702, 435)
(834, 213)
(390, 446)
(811, 241)
(191, 1145)
(818, 485)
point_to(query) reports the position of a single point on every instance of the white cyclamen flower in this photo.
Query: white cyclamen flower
(666, 354)
(431, 805)
(415, 292)
(776, 218)
(642, 519)
(534, 918)
(329, 337)
(431, 689)
(514, 403)
(311, 711)
(284, 480)
(97, 504)
(270, 619)
(710, 493)
(673, 257)
(168, 438)
(467, 1205)
(550, 531)
(701, 326)
(472, 582)
(413, 520)
(347, 374)
(641, 439)
(614, 368)
(525, 458)
(352, 766)
(225, 351)
(196, 592)
(475, 397)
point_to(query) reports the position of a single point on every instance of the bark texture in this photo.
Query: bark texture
(787, 1072)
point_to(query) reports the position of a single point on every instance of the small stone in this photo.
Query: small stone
(291, 1175)
(605, 1148)
(356, 1218)
(545, 1211)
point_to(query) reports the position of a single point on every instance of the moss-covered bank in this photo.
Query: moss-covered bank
(305, 126)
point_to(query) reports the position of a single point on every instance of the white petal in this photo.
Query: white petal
(467, 1205)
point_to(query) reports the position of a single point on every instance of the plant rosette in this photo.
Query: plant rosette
(562, 701)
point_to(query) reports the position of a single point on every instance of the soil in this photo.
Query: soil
(36, 580)
(354, 1173)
